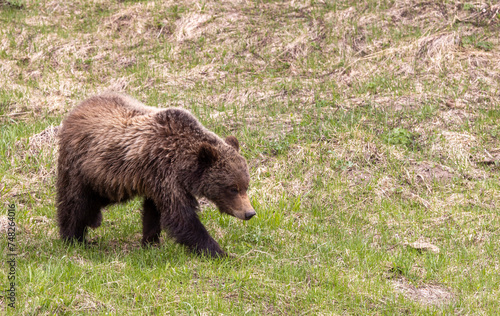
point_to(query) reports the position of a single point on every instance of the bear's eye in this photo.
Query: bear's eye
(234, 190)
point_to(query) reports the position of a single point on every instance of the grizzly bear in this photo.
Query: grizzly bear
(113, 148)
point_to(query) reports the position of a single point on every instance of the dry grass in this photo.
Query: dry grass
(45, 140)
(371, 129)
(143, 24)
(4, 224)
(426, 295)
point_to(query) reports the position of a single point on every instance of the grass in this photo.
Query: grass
(371, 129)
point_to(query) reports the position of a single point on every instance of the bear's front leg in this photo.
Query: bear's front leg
(151, 227)
(185, 227)
(189, 231)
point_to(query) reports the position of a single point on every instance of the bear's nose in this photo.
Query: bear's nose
(249, 214)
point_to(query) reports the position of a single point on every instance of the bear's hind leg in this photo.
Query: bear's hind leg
(97, 221)
(151, 227)
(78, 208)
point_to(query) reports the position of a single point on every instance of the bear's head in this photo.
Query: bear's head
(225, 178)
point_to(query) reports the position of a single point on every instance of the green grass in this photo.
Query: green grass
(367, 126)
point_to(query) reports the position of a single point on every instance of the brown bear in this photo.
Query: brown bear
(112, 148)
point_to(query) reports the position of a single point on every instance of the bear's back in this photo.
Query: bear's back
(112, 105)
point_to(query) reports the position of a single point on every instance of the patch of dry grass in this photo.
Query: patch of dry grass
(371, 129)
(427, 294)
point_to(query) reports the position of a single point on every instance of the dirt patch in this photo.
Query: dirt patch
(428, 171)
(426, 294)
(358, 177)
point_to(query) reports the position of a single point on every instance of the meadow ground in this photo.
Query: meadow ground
(372, 134)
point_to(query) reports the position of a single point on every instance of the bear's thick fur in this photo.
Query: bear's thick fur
(112, 148)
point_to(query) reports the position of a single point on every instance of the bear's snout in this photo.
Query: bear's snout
(249, 214)
(241, 207)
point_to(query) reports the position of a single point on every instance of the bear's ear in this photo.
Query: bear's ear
(207, 155)
(233, 142)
